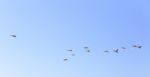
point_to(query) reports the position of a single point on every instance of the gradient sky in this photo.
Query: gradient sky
(45, 29)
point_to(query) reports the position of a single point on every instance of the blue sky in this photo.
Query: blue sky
(45, 29)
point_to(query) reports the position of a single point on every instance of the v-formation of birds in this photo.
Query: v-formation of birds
(88, 50)
(117, 50)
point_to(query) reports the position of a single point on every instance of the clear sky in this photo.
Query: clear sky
(45, 29)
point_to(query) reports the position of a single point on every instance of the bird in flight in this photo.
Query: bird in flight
(117, 50)
(106, 51)
(134, 46)
(123, 48)
(88, 51)
(137, 46)
(65, 59)
(86, 47)
(13, 35)
(70, 50)
(73, 54)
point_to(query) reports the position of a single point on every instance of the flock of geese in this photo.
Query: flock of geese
(106, 51)
(73, 54)
(88, 50)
